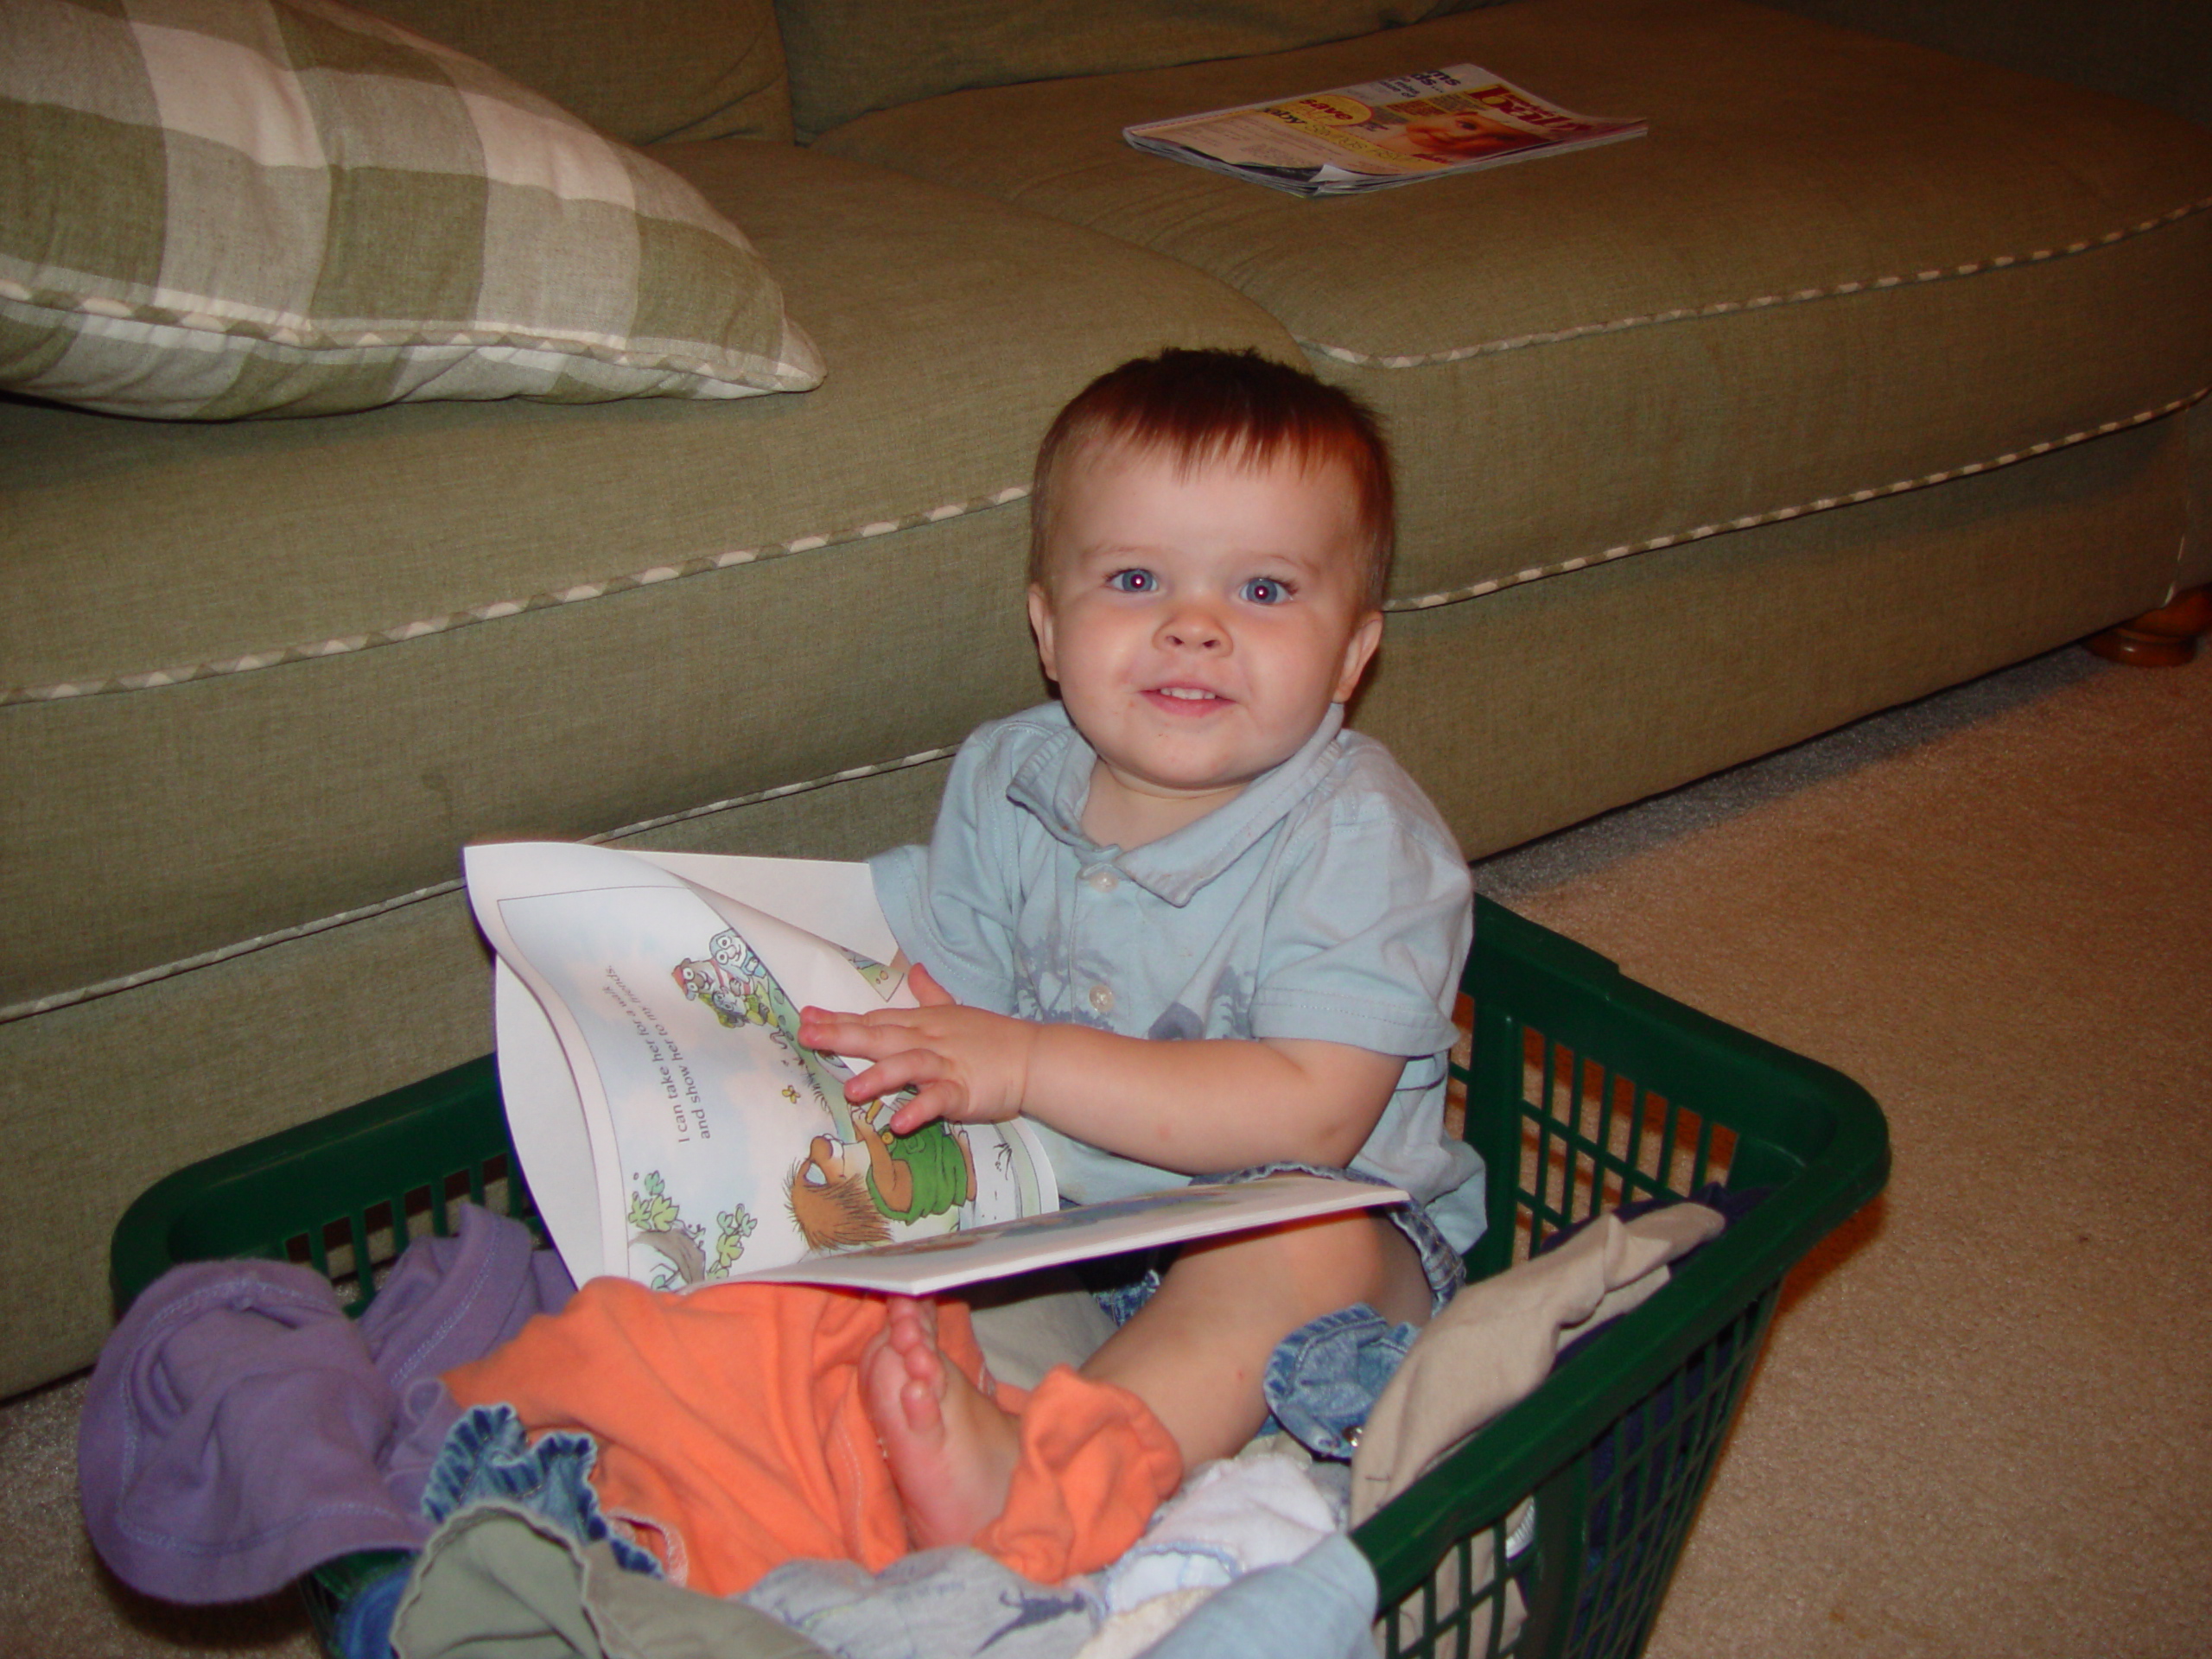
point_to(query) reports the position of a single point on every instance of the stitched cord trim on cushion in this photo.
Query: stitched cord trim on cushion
(1801, 510)
(1750, 520)
(260, 942)
(292, 337)
(1420, 602)
(492, 610)
(1723, 307)
(495, 609)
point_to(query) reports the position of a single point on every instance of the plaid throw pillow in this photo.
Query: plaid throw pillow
(216, 208)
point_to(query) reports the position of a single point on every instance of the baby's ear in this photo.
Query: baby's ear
(1041, 624)
(1359, 649)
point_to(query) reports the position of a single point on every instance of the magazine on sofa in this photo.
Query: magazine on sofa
(1380, 133)
(673, 1130)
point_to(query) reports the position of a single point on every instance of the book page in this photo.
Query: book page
(831, 899)
(709, 1136)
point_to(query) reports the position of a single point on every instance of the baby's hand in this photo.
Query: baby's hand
(967, 1066)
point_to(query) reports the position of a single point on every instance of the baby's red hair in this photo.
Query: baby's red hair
(1202, 407)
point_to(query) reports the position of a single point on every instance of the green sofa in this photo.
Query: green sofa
(1871, 369)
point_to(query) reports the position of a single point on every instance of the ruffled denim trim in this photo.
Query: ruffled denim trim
(488, 1455)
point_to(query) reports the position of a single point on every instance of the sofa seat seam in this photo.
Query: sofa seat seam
(1796, 510)
(494, 610)
(59, 1000)
(497, 609)
(56, 1000)
(581, 592)
(1359, 359)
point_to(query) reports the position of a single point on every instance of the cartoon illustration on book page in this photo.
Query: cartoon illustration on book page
(658, 1224)
(737, 986)
(849, 1193)
(715, 1115)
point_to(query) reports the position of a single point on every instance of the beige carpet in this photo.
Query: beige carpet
(1985, 1424)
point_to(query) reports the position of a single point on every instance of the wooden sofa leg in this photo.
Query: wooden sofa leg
(2166, 638)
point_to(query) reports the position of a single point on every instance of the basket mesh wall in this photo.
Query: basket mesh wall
(371, 1237)
(1646, 1474)
(1569, 1127)
(1591, 1138)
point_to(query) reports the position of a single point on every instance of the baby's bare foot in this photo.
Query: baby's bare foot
(952, 1450)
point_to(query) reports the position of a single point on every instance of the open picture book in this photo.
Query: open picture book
(673, 1130)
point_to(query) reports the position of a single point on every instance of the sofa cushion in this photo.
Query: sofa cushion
(848, 57)
(264, 674)
(216, 208)
(1837, 266)
(642, 71)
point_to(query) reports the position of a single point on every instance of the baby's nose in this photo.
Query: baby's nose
(1194, 629)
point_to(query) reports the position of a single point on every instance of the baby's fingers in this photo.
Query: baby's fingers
(931, 1101)
(826, 1032)
(908, 1068)
(927, 991)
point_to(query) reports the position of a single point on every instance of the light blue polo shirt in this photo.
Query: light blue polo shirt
(1326, 901)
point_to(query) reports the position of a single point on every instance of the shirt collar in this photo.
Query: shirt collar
(1054, 785)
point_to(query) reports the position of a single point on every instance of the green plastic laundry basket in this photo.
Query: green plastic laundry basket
(1583, 1090)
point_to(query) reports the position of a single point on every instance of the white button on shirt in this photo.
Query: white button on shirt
(1103, 880)
(1101, 998)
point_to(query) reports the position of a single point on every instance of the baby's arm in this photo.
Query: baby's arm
(1194, 1107)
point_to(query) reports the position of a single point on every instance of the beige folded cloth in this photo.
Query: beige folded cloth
(1496, 1339)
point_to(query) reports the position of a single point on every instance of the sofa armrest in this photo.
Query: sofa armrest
(2154, 51)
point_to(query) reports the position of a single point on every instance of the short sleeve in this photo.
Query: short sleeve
(1368, 928)
(948, 903)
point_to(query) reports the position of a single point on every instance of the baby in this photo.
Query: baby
(1181, 920)
(1447, 136)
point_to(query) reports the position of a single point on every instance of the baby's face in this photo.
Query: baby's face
(1200, 625)
(1464, 133)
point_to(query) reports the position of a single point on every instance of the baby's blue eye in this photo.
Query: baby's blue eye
(1264, 590)
(1133, 581)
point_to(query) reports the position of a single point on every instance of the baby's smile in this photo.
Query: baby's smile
(1187, 698)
